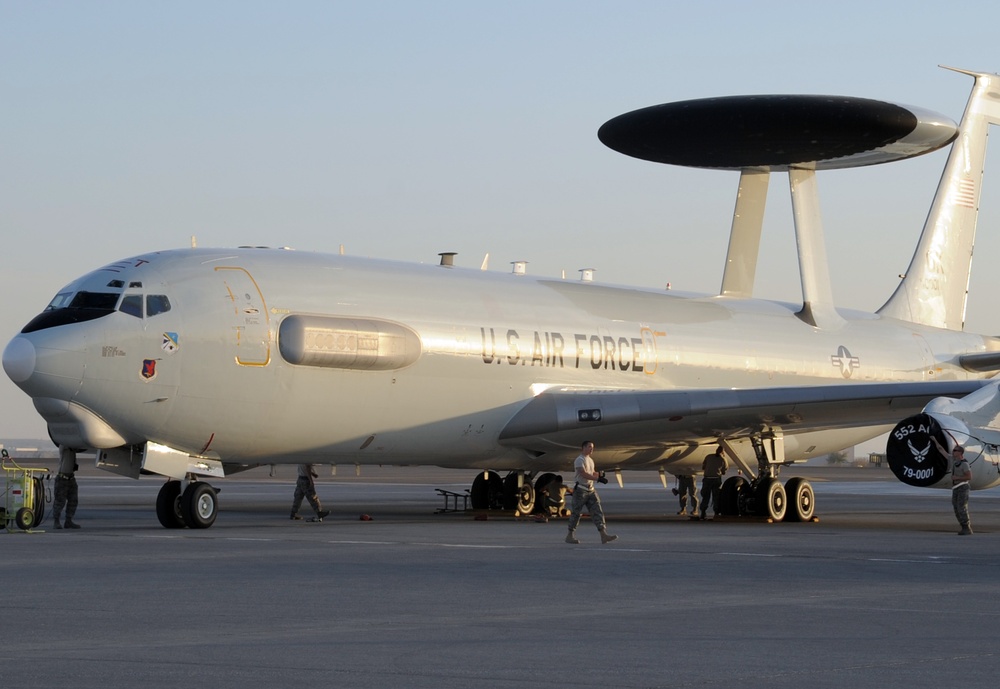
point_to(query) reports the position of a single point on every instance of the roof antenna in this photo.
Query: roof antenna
(194, 242)
(486, 262)
(447, 259)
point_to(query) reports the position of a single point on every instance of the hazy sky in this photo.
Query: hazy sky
(403, 129)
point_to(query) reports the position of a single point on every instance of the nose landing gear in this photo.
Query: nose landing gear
(196, 506)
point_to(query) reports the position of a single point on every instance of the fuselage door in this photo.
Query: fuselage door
(250, 323)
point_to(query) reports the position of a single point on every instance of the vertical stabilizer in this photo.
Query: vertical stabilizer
(935, 287)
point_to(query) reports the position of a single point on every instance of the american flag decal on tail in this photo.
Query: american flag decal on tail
(965, 194)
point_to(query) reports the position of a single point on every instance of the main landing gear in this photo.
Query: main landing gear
(519, 491)
(765, 496)
(190, 503)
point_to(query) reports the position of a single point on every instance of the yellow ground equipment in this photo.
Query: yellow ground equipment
(23, 495)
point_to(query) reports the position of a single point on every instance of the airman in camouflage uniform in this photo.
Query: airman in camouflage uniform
(686, 489)
(305, 487)
(66, 490)
(961, 474)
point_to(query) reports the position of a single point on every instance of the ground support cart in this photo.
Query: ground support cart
(23, 496)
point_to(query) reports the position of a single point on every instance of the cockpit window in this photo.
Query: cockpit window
(84, 300)
(60, 301)
(94, 300)
(70, 307)
(132, 305)
(156, 304)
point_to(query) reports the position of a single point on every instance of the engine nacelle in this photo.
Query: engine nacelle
(969, 422)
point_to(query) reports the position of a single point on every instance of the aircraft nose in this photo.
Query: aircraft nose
(19, 359)
(48, 366)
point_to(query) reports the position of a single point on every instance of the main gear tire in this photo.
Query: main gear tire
(168, 506)
(801, 500)
(771, 500)
(487, 491)
(729, 496)
(199, 505)
(522, 499)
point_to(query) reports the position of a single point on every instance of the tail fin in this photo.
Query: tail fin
(936, 286)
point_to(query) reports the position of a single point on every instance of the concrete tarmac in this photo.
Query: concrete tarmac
(880, 592)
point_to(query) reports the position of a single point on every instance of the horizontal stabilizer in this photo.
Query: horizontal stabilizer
(980, 363)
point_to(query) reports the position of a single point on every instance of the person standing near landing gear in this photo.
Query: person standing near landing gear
(686, 491)
(66, 493)
(585, 496)
(714, 467)
(305, 487)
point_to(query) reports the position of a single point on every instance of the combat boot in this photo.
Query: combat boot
(571, 538)
(322, 513)
(58, 523)
(966, 530)
(606, 537)
(70, 524)
(295, 517)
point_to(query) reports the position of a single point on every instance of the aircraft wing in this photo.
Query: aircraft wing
(654, 418)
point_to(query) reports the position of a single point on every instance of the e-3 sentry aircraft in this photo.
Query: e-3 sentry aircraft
(198, 363)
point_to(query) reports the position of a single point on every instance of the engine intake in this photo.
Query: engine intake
(912, 455)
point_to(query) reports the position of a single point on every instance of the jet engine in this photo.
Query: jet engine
(972, 422)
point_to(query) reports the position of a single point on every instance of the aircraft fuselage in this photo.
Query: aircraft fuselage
(275, 355)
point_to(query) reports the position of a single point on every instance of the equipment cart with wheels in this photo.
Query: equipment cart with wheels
(23, 496)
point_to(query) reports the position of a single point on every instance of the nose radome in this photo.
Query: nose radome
(19, 359)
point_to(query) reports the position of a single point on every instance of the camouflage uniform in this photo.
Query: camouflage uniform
(714, 467)
(66, 495)
(586, 498)
(305, 487)
(66, 491)
(960, 493)
(685, 488)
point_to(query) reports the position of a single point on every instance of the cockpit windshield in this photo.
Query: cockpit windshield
(89, 298)
(60, 301)
(84, 300)
(74, 307)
